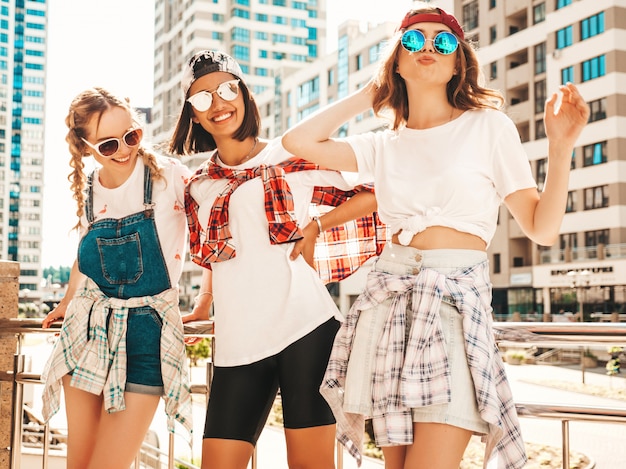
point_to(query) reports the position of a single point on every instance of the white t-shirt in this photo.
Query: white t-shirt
(264, 301)
(455, 175)
(168, 196)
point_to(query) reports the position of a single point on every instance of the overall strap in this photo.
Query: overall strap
(89, 204)
(147, 187)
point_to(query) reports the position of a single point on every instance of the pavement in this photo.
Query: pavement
(602, 442)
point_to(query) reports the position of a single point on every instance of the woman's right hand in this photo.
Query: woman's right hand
(56, 314)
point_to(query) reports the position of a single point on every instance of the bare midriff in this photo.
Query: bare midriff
(441, 237)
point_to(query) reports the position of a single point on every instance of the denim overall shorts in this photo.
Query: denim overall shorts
(124, 258)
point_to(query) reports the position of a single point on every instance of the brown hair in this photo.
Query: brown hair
(464, 89)
(190, 137)
(94, 101)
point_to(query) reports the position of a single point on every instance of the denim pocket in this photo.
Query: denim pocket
(121, 259)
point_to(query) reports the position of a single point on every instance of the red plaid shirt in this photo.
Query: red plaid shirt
(339, 251)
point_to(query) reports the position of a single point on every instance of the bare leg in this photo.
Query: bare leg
(436, 445)
(394, 456)
(120, 434)
(225, 454)
(83, 411)
(311, 448)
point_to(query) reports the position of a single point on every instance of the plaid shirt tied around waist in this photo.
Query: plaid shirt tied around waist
(339, 251)
(415, 372)
(96, 352)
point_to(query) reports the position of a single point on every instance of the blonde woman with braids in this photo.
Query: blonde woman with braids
(121, 344)
(417, 352)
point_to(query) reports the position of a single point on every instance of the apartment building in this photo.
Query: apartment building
(262, 35)
(23, 33)
(529, 48)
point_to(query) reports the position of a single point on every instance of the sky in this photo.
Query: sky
(110, 43)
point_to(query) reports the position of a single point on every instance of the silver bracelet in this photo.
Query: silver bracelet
(319, 225)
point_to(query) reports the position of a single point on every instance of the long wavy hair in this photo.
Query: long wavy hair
(464, 89)
(94, 102)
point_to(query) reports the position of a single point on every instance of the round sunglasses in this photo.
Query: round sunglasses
(445, 42)
(109, 147)
(202, 100)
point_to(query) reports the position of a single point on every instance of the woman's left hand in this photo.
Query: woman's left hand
(565, 122)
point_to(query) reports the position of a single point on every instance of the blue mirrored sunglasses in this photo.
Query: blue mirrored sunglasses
(414, 41)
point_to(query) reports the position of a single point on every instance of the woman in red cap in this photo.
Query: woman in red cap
(417, 353)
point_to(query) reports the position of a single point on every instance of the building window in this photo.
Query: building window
(540, 58)
(374, 52)
(567, 75)
(573, 163)
(540, 129)
(241, 53)
(598, 110)
(497, 267)
(593, 68)
(594, 154)
(238, 12)
(493, 34)
(594, 238)
(493, 67)
(308, 92)
(331, 77)
(592, 26)
(571, 202)
(568, 242)
(470, 15)
(596, 197)
(359, 62)
(492, 4)
(540, 96)
(562, 3)
(539, 13)
(564, 37)
(240, 35)
(542, 169)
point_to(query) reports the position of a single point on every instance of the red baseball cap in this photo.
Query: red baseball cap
(442, 17)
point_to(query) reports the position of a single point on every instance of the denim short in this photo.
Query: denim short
(462, 410)
(143, 351)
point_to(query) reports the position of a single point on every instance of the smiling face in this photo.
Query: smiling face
(115, 122)
(426, 66)
(224, 117)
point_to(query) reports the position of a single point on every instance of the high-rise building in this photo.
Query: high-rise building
(529, 48)
(262, 35)
(23, 32)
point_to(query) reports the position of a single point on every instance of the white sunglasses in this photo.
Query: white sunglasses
(109, 147)
(202, 100)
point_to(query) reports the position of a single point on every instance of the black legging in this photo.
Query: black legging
(241, 396)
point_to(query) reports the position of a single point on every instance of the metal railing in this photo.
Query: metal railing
(564, 335)
(20, 377)
(518, 334)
